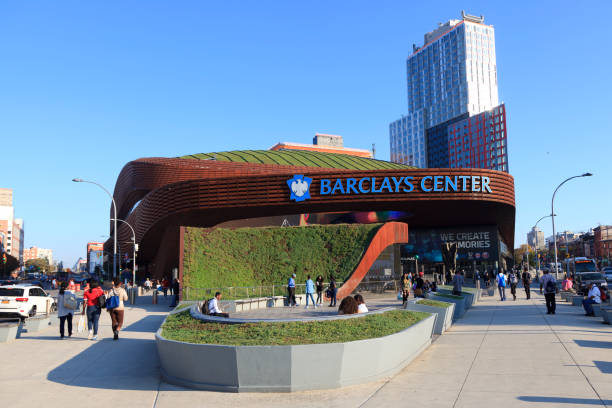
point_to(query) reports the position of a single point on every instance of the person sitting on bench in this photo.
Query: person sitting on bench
(213, 306)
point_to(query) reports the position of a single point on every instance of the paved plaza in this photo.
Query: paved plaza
(508, 354)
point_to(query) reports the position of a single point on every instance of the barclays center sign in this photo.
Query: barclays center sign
(300, 186)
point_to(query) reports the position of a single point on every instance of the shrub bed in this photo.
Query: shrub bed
(182, 327)
(447, 295)
(434, 303)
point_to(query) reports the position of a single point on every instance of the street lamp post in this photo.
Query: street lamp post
(78, 180)
(552, 212)
(133, 250)
(536, 245)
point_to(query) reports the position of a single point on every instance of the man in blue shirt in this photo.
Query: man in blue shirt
(291, 289)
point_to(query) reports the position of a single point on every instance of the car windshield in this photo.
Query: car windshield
(591, 276)
(585, 267)
(11, 292)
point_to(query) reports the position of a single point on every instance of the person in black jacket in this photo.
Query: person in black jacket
(175, 292)
(527, 283)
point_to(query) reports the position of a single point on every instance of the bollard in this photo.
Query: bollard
(478, 284)
(132, 295)
(154, 297)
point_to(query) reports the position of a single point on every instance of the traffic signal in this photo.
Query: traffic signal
(417, 257)
(4, 257)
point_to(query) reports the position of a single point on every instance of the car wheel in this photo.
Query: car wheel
(32, 312)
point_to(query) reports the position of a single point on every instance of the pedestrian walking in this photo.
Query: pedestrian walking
(527, 283)
(92, 308)
(319, 284)
(66, 305)
(310, 288)
(333, 291)
(175, 292)
(405, 285)
(458, 283)
(501, 284)
(513, 282)
(148, 285)
(549, 284)
(593, 297)
(116, 296)
(291, 302)
(165, 285)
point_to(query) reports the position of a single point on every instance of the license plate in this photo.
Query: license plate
(5, 302)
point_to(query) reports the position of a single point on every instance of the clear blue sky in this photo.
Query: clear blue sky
(87, 86)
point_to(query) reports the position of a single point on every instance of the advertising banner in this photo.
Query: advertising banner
(479, 243)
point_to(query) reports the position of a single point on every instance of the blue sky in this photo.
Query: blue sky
(86, 87)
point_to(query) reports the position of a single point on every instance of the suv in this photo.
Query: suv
(582, 281)
(24, 301)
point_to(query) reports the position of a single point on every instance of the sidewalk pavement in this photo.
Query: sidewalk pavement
(501, 354)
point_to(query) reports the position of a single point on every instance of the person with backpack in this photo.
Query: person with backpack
(513, 282)
(501, 284)
(114, 304)
(66, 305)
(549, 284)
(527, 283)
(93, 308)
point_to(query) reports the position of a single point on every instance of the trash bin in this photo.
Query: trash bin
(154, 297)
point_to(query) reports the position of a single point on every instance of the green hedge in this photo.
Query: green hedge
(222, 257)
(182, 327)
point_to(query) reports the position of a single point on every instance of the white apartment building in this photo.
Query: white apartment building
(454, 72)
(11, 228)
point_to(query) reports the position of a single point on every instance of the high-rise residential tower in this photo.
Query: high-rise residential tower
(11, 228)
(451, 77)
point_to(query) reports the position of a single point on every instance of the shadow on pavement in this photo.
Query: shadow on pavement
(148, 324)
(126, 364)
(594, 343)
(604, 366)
(568, 400)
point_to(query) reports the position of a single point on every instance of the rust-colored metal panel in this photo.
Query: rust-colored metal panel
(389, 234)
(176, 192)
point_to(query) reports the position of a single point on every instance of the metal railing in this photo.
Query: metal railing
(247, 292)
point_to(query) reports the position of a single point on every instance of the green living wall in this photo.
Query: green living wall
(221, 257)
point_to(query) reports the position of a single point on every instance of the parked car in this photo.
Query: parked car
(607, 271)
(582, 281)
(24, 300)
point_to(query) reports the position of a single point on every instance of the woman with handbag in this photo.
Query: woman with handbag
(66, 304)
(92, 308)
(114, 304)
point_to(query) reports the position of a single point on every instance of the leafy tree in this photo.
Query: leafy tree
(38, 264)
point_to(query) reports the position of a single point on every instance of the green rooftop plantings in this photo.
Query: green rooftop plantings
(182, 327)
(222, 257)
(299, 158)
(434, 303)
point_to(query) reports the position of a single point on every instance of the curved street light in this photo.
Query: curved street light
(552, 212)
(78, 180)
(133, 249)
(536, 245)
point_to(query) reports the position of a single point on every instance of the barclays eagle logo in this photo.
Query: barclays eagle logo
(299, 186)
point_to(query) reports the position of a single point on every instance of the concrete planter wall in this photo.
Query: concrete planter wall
(459, 305)
(566, 296)
(37, 323)
(606, 314)
(244, 305)
(470, 299)
(445, 314)
(8, 331)
(577, 300)
(290, 368)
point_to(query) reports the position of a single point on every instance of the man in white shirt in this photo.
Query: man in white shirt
(594, 296)
(213, 306)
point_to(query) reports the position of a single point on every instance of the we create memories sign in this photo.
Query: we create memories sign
(299, 185)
